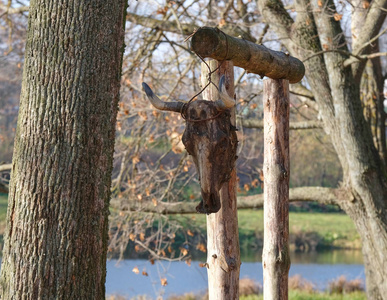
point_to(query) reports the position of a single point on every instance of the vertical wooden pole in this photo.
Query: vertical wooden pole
(275, 257)
(223, 261)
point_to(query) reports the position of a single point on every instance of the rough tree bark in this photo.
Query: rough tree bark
(276, 168)
(223, 261)
(336, 90)
(211, 42)
(57, 222)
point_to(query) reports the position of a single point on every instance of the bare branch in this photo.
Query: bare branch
(253, 123)
(187, 29)
(370, 28)
(6, 167)
(356, 58)
(12, 10)
(319, 194)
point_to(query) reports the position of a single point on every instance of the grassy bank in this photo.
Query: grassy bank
(303, 295)
(308, 231)
(299, 289)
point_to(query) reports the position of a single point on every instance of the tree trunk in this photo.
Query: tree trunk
(223, 261)
(336, 91)
(275, 256)
(57, 222)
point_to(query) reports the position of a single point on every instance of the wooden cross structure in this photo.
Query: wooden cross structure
(223, 261)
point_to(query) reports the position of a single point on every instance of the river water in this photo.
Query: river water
(318, 268)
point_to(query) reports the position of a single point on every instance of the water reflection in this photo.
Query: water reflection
(318, 268)
(321, 257)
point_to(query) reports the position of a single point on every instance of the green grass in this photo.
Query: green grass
(326, 229)
(302, 295)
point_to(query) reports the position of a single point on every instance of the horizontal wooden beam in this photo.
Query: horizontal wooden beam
(214, 43)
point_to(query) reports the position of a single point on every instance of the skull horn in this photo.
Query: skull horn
(159, 104)
(225, 100)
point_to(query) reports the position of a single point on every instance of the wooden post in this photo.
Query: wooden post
(275, 257)
(223, 261)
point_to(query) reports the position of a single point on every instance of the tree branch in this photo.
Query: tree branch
(187, 29)
(253, 123)
(12, 10)
(321, 195)
(370, 28)
(6, 167)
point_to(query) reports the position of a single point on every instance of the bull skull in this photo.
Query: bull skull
(210, 139)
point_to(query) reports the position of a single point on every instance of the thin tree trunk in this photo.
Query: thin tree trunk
(275, 256)
(223, 259)
(57, 223)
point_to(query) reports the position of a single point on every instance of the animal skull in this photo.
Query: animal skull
(210, 139)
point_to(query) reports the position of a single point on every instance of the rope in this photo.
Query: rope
(184, 108)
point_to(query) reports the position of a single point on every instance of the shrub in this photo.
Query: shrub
(248, 287)
(296, 282)
(343, 286)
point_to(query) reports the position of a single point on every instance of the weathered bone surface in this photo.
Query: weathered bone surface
(210, 139)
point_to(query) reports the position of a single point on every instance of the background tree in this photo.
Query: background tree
(57, 223)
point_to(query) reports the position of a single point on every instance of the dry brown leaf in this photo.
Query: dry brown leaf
(164, 281)
(337, 16)
(142, 236)
(222, 23)
(365, 4)
(201, 247)
(183, 251)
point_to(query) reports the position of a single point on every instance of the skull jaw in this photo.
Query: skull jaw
(209, 204)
